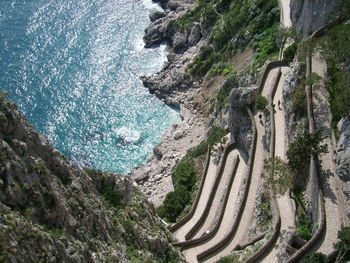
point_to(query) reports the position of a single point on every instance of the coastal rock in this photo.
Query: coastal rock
(156, 33)
(157, 153)
(155, 15)
(178, 135)
(195, 35)
(179, 41)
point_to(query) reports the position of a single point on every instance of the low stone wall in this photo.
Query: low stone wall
(231, 234)
(208, 205)
(194, 242)
(260, 253)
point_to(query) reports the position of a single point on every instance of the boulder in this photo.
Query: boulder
(155, 15)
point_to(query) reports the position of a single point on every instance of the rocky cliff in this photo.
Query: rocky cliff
(343, 158)
(52, 211)
(309, 15)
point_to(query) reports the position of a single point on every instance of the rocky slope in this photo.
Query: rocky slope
(52, 211)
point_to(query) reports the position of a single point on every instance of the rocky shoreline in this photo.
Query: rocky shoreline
(176, 88)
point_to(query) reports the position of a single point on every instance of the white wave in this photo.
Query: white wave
(128, 136)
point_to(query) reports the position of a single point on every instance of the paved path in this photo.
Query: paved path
(285, 204)
(230, 212)
(203, 199)
(191, 254)
(331, 182)
(217, 205)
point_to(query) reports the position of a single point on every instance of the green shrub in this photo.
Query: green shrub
(304, 226)
(336, 51)
(238, 23)
(174, 203)
(303, 147)
(277, 176)
(343, 246)
(261, 102)
(290, 52)
(185, 173)
(299, 100)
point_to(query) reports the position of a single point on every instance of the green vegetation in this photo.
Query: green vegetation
(316, 258)
(303, 147)
(229, 259)
(304, 226)
(40, 167)
(261, 102)
(185, 176)
(299, 101)
(290, 52)
(277, 176)
(110, 192)
(174, 203)
(3, 94)
(221, 68)
(185, 173)
(336, 51)
(304, 223)
(343, 246)
(235, 25)
(222, 98)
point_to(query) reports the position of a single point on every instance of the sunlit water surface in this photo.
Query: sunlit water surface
(73, 68)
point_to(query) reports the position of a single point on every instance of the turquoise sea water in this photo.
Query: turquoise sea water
(73, 68)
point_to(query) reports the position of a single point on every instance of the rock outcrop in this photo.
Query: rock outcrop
(343, 158)
(52, 211)
(309, 15)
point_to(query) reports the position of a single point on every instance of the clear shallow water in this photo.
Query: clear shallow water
(73, 68)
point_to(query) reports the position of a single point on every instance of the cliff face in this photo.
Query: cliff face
(343, 158)
(52, 211)
(309, 15)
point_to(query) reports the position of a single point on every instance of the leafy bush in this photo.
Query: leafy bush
(185, 177)
(277, 176)
(343, 246)
(261, 102)
(304, 226)
(174, 203)
(299, 101)
(290, 52)
(307, 144)
(185, 173)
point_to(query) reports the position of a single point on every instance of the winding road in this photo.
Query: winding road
(221, 219)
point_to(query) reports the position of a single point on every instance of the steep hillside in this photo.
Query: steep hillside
(52, 211)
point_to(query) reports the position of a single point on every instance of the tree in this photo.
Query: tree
(261, 102)
(306, 145)
(343, 246)
(277, 175)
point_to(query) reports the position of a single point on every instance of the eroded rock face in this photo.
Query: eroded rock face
(309, 15)
(53, 211)
(343, 157)
(239, 122)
